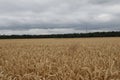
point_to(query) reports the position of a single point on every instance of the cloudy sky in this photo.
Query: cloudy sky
(58, 16)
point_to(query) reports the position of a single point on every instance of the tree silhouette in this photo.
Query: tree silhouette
(74, 35)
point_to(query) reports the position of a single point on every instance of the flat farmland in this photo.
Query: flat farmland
(60, 59)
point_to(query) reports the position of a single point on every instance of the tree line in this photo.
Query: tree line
(74, 35)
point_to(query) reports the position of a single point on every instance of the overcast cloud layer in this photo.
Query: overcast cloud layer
(58, 16)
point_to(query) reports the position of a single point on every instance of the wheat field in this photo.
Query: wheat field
(60, 59)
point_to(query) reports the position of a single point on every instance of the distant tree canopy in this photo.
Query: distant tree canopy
(74, 35)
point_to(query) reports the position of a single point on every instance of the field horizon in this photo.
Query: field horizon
(69, 35)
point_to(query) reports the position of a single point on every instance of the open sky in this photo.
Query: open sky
(58, 16)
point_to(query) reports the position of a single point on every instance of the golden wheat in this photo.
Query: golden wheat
(60, 59)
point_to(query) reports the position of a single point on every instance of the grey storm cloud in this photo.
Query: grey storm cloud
(58, 16)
